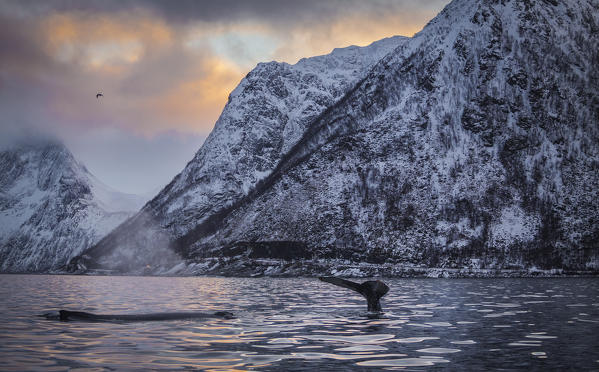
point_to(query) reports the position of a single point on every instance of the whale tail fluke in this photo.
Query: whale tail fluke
(372, 290)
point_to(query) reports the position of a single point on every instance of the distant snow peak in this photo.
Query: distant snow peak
(51, 207)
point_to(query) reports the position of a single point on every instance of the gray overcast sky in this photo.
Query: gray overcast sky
(165, 67)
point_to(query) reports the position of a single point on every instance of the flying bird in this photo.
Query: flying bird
(99, 94)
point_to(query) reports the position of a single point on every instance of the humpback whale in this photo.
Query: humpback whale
(372, 290)
(66, 315)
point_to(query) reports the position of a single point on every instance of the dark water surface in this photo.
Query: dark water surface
(301, 324)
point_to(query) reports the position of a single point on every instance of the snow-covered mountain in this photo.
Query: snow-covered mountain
(52, 208)
(265, 116)
(473, 144)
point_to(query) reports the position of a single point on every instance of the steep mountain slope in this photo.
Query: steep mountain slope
(52, 208)
(474, 144)
(265, 116)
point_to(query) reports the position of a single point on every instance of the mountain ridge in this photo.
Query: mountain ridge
(269, 105)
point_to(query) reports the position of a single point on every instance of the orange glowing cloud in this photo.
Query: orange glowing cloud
(159, 76)
(194, 105)
(350, 30)
(101, 41)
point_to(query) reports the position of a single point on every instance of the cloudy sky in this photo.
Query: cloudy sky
(165, 68)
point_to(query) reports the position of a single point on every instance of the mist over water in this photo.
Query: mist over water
(301, 324)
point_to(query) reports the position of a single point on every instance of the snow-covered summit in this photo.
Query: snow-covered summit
(265, 116)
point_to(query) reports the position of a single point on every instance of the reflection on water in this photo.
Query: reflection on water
(301, 324)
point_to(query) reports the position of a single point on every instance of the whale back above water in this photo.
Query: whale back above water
(67, 315)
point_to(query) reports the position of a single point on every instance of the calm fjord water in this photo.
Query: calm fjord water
(301, 324)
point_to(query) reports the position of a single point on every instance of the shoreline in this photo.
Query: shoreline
(255, 268)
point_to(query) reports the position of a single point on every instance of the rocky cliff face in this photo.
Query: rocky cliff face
(52, 208)
(473, 144)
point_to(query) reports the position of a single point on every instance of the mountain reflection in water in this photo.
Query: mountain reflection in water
(301, 324)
